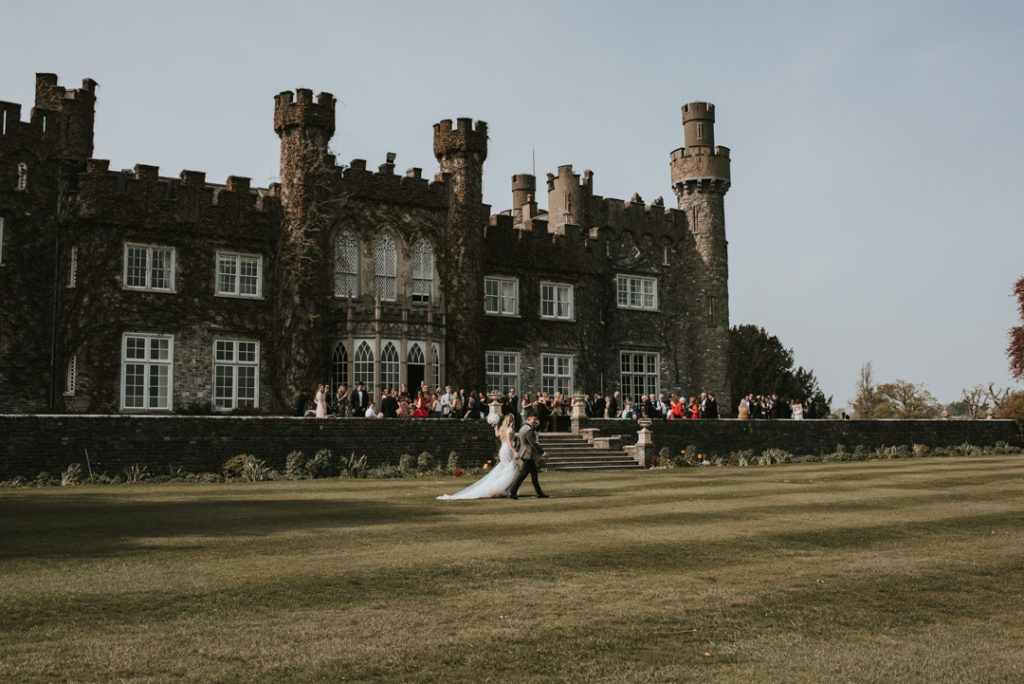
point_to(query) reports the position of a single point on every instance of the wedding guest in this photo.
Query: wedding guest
(360, 399)
(422, 408)
(341, 405)
(321, 401)
(475, 409)
(371, 410)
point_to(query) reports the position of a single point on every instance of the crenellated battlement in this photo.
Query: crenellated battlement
(53, 96)
(298, 110)
(385, 185)
(705, 111)
(463, 138)
(186, 197)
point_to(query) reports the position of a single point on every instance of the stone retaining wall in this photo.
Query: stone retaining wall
(804, 437)
(30, 444)
(36, 443)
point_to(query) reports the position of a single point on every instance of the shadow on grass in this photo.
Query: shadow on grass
(99, 525)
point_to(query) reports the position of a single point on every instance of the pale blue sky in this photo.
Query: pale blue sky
(876, 146)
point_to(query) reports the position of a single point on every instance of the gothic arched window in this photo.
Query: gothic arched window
(385, 272)
(422, 270)
(364, 367)
(346, 264)
(339, 366)
(436, 366)
(389, 366)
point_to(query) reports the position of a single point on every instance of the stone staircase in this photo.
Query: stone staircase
(567, 451)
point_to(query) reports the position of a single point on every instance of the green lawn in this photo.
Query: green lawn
(905, 570)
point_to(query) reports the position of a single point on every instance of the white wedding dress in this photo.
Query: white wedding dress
(496, 482)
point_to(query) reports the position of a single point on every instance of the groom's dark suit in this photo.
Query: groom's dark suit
(529, 451)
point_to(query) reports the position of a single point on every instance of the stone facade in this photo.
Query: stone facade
(128, 291)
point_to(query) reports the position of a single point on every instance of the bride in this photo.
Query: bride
(496, 482)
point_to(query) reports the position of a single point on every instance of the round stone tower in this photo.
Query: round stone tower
(461, 151)
(700, 179)
(524, 189)
(305, 128)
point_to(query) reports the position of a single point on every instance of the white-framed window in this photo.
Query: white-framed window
(556, 373)
(22, 185)
(148, 267)
(339, 366)
(239, 274)
(637, 292)
(147, 362)
(501, 296)
(556, 301)
(363, 366)
(73, 266)
(638, 373)
(700, 131)
(502, 371)
(236, 371)
(385, 273)
(422, 270)
(389, 366)
(346, 264)
(71, 377)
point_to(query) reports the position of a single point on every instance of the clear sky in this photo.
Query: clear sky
(875, 211)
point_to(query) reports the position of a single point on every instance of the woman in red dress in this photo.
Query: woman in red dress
(694, 409)
(422, 406)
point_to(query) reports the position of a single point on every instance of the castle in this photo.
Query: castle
(128, 291)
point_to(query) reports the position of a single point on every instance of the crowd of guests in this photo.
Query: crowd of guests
(756, 407)
(423, 402)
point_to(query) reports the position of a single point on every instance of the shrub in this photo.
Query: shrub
(322, 464)
(453, 462)
(72, 475)
(860, 453)
(296, 465)
(385, 472)
(255, 469)
(921, 450)
(135, 473)
(407, 463)
(234, 467)
(210, 477)
(742, 457)
(354, 467)
(688, 456)
(426, 461)
(966, 449)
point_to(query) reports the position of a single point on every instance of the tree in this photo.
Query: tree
(759, 364)
(866, 399)
(1015, 350)
(902, 399)
(899, 399)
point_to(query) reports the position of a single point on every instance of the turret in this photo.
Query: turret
(567, 198)
(461, 152)
(305, 128)
(73, 115)
(700, 179)
(524, 190)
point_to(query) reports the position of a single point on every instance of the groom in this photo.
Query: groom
(529, 452)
